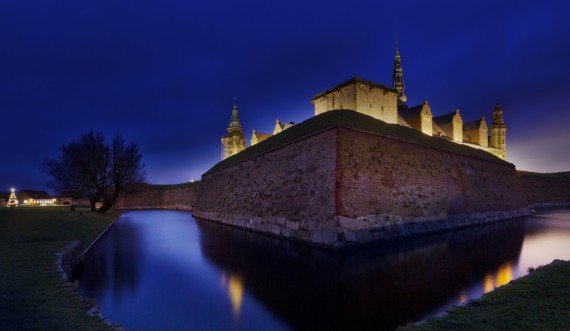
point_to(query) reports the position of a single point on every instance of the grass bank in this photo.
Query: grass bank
(353, 120)
(33, 295)
(539, 301)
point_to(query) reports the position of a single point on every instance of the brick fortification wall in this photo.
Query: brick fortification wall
(341, 187)
(288, 192)
(148, 197)
(386, 176)
(390, 189)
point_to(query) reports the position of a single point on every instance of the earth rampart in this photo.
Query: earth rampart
(182, 197)
(546, 190)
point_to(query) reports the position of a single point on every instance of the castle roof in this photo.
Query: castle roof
(402, 121)
(437, 131)
(357, 80)
(444, 119)
(351, 120)
(33, 194)
(410, 112)
(416, 111)
(471, 126)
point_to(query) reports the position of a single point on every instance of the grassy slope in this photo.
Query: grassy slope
(33, 295)
(539, 301)
(160, 187)
(354, 120)
(547, 176)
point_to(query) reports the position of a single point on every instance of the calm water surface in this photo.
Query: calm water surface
(165, 270)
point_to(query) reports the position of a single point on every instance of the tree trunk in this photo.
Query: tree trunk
(93, 203)
(109, 202)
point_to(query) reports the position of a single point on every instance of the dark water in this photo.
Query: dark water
(164, 270)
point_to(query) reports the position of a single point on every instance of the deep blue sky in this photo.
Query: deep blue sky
(164, 73)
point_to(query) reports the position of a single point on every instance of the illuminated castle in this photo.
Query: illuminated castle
(389, 104)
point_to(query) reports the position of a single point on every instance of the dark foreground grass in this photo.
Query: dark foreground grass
(33, 294)
(539, 301)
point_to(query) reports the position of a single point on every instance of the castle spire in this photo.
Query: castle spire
(398, 76)
(234, 121)
(234, 141)
(499, 130)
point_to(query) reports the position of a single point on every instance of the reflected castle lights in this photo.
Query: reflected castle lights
(234, 285)
(504, 276)
(491, 281)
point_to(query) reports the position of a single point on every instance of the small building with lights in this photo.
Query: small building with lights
(35, 198)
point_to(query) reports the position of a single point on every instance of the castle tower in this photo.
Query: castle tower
(498, 129)
(398, 77)
(234, 141)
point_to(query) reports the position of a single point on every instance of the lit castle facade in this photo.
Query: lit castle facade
(390, 105)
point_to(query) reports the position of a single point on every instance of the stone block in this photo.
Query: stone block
(292, 225)
(351, 223)
(275, 229)
(311, 225)
(324, 236)
(262, 227)
(364, 236)
(286, 233)
(302, 235)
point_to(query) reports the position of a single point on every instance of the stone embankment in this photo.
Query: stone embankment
(70, 259)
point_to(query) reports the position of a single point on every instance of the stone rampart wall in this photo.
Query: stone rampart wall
(343, 187)
(546, 192)
(385, 176)
(287, 192)
(392, 189)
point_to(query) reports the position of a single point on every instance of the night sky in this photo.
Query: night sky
(164, 73)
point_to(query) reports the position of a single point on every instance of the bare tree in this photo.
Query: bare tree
(91, 168)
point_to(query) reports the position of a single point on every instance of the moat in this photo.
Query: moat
(164, 270)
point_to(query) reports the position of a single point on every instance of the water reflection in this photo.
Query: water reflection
(116, 264)
(234, 287)
(165, 270)
(371, 288)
